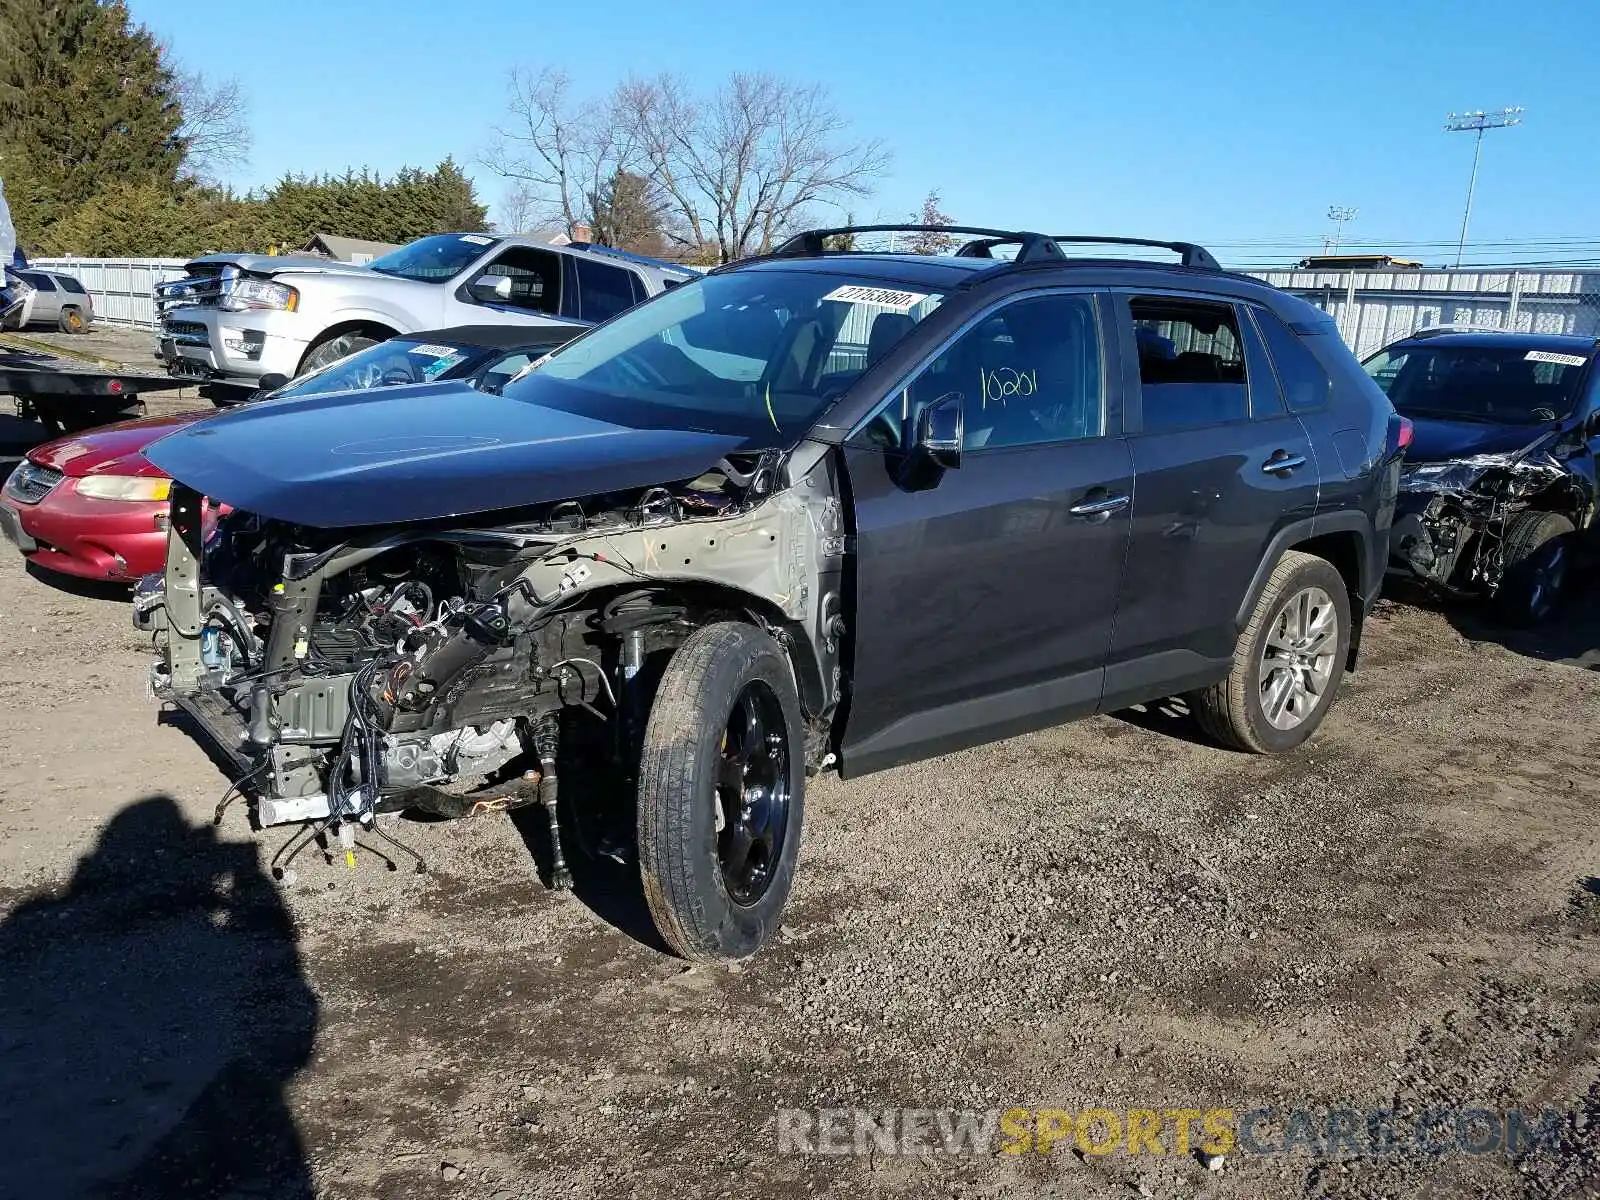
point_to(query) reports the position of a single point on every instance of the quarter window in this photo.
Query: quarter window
(1191, 363)
(1305, 384)
(68, 283)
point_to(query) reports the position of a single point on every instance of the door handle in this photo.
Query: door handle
(1281, 461)
(1099, 508)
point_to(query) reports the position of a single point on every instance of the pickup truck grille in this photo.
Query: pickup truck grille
(204, 290)
(31, 483)
(186, 333)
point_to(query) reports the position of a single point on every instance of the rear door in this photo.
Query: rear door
(598, 291)
(983, 603)
(1219, 466)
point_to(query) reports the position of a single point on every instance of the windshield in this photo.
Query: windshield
(397, 361)
(1508, 385)
(747, 354)
(434, 259)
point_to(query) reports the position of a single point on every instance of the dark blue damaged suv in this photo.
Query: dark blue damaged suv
(825, 507)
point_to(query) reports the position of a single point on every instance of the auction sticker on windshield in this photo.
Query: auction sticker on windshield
(435, 351)
(881, 297)
(1551, 356)
(477, 239)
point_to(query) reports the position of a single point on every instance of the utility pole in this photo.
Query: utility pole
(1478, 123)
(1339, 214)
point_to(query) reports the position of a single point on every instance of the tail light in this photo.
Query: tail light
(1400, 433)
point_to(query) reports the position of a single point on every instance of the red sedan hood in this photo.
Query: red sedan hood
(112, 450)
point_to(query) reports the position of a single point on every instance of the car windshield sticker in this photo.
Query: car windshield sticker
(477, 239)
(881, 297)
(440, 365)
(436, 351)
(1550, 356)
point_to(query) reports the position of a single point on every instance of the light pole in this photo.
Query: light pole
(1339, 214)
(1477, 122)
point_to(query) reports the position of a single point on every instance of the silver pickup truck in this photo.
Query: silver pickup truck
(235, 319)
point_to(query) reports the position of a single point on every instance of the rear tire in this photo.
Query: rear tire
(707, 761)
(1287, 662)
(72, 320)
(1537, 547)
(333, 349)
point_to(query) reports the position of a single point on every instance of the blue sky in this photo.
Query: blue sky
(1230, 122)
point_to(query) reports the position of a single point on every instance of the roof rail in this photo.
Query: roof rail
(630, 256)
(1191, 254)
(1461, 327)
(1032, 247)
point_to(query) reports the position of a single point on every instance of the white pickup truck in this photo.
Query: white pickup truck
(236, 319)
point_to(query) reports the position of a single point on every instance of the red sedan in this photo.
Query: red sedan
(91, 505)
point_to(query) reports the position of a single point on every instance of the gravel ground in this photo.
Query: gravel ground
(1109, 914)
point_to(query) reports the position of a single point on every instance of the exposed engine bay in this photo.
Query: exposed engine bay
(447, 667)
(1450, 527)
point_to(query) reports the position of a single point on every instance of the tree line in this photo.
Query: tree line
(108, 147)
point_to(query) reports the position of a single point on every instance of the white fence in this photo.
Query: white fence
(123, 288)
(1374, 308)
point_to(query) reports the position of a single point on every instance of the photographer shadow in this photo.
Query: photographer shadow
(151, 1016)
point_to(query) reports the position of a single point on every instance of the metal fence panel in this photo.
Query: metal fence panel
(122, 288)
(1374, 308)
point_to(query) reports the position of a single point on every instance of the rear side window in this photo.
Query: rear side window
(38, 280)
(68, 283)
(603, 291)
(1305, 384)
(1191, 363)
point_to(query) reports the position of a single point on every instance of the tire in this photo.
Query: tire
(1537, 548)
(1235, 711)
(703, 904)
(333, 349)
(72, 320)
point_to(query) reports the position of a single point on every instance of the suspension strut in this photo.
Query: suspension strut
(546, 739)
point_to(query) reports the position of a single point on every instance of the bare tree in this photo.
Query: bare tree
(560, 151)
(931, 242)
(216, 126)
(518, 210)
(740, 167)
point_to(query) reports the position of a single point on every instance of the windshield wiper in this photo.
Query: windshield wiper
(1446, 415)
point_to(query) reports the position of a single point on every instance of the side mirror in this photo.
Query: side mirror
(491, 288)
(271, 382)
(941, 429)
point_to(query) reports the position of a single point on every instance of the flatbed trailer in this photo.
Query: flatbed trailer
(67, 392)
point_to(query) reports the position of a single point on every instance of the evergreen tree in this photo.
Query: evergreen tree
(84, 100)
(628, 213)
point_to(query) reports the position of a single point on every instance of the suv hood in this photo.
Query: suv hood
(1437, 440)
(419, 453)
(278, 264)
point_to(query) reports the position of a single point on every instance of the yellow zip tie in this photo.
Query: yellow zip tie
(770, 415)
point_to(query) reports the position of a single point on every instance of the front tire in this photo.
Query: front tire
(331, 351)
(1537, 546)
(721, 793)
(1287, 662)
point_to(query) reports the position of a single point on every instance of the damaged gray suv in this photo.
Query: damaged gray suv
(823, 508)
